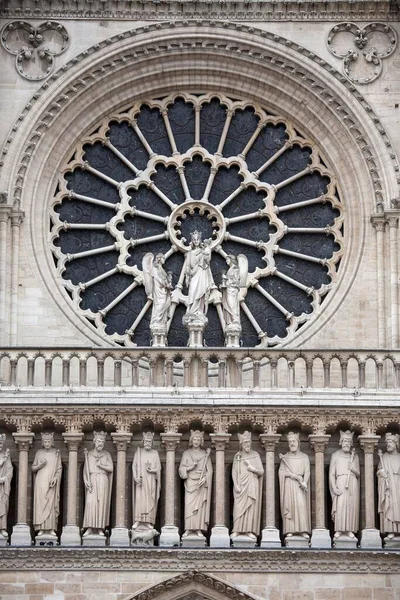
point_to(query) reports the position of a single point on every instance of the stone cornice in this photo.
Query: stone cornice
(229, 560)
(363, 420)
(156, 10)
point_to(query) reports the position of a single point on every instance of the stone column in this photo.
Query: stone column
(5, 210)
(270, 537)
(17, 217)
(21, 533)
(320, 537)
(170, 532)
(370, 536)
(70, 534)
(220, 533)
(120, 533)
(394, 279)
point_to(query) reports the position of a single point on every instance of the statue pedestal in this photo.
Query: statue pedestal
(270, 538)
(46, 540)
(370, 538)
(159, 336)
(21, 535)
(170, 536)
(94, 539)
(194, 541)
(243, 541)
(297, 541)
(196, 329)
(392, 542)
(232, 336)
(220, 537)
(71, 536)
(143, 536)
(345, 542)
(3, 541)
(321, 539)
(119, 536)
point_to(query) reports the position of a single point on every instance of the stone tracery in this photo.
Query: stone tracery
(149, 176)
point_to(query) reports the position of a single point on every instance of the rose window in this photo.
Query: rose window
(170, 177)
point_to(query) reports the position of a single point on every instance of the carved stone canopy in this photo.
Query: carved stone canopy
(192, 585)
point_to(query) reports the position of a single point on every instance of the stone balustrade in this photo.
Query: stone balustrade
(123, 427)
(273, 369)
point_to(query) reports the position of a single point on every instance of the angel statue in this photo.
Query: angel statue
(158, 286)
(233, 288)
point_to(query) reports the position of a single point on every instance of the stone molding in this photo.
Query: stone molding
(230, 560)
(218, 10)
(366, 420)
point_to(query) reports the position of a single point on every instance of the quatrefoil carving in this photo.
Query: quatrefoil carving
(362, 48)
(34, 48)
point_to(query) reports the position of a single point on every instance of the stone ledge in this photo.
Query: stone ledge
(229, 560)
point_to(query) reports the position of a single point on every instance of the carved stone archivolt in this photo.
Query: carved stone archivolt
(362, 48)
(34, 47)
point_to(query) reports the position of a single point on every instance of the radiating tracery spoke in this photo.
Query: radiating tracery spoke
(151, 175)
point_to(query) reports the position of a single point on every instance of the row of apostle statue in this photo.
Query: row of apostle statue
(196, 471)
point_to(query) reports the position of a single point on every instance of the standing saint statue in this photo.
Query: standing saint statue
(344, 485)
(389, 487)
(158, 288)
(6, 474)
(233, 281)
(97, 477)
(198, 278)
(46, 498)
(146, 469)
(294, 477)
(247, 475)
(196, 470)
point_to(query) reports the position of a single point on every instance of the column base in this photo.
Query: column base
(297, 541)
(270, 538)
(220, 537)
(21, 535)
(119, 536)
(71, 536)
(320, 538)
(370, 538)
(170, 536)
(3, 541)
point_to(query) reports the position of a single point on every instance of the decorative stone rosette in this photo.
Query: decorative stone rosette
(146, 177)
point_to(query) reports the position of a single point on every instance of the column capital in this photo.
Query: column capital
(368, 442)
(17, 217)
(319, 441)
(121, 441)
(220, 441)
(73, 439)
(270, 441)
(170, 441)
(23, 441)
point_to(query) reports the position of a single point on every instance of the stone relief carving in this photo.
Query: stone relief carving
(196, 470)
(294, 478)
(97, 477)
(362, 48)
(146, 470)
(247, 475)
(46, 504)
(6, 475)
(389, 490)
(34, 48)
(344, 484)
